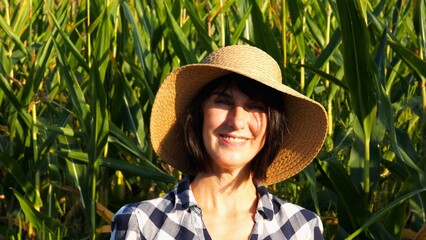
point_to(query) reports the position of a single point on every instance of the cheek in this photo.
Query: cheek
(211, 122)
(259, 124)
(207, 120)
(213, 118)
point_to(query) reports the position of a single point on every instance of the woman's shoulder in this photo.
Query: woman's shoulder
(273, 205)
(164, 217)
(299, 220)
(291, 209)
(146, 208)
(176, 199)
(141, 218)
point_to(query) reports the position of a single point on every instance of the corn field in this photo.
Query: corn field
(78, 79)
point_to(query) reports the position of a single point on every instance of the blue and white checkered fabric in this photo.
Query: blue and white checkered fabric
(177, 216)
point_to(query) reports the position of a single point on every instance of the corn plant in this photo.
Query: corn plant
(78, 79)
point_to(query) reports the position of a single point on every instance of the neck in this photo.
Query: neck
(225, 192)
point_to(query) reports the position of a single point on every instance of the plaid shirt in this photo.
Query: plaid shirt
(177, 216)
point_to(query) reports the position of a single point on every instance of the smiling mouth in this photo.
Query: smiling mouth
(233, 139)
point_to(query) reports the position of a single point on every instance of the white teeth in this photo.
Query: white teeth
(234, 139)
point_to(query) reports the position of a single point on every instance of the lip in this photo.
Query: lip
(233, 139)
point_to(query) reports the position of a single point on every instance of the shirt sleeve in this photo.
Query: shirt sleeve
(307, 225)
(125, 225)
(317, 229)
(290, 221)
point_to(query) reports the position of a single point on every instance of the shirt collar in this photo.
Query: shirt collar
(185, 198)
(264, 205)
(184, 195)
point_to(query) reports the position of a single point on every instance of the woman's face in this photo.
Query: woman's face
(233, 129)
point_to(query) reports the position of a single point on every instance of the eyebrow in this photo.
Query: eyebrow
(227, 95)
(222, 94)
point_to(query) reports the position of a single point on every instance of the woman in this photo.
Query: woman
(231, 126)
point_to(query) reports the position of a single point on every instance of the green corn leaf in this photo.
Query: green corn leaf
(343, 139)
(102, 44)
(208, 43)
(37, 63)
(15, 38)
(60, 128)
(395, 222)
(146, 20)
(98, 102)
(20, 22)
(100, 117)
(317, 32)
(352, 208)
(240, 28)
(7, 90)
(39, 220)
(386, 107)
(350, 198)
(97, 142)
(356, 160)
(137, 170)
(145, 171)
(42, 60)
(263, 36)
(360, 74)
(74, 90)
(359, 67)
(75, 165)
(126, 145)
(324, 75)
(100, 122)
(97, 23)
(139, 43)
(374, 218)
(324, 56)
(309, 172)
(416, 64)
(12, 165)
(386, 118)
(53, 132)
(75, 51)
(419, 22)
(123, 143)
(179, 40)
(80, 157)
(297, 26)
(152, 38)
(138, 73)
(134, 120)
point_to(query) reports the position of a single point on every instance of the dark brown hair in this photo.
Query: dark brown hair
(275, 130)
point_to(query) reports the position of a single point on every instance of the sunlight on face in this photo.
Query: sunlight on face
(233, 129)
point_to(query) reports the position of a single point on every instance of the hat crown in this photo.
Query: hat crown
(246, 60)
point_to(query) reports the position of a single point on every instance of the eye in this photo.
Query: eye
(224, 101)
(257, 106)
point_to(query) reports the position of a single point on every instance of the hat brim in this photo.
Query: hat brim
(306, 121)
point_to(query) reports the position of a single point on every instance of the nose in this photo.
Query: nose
(237, 119)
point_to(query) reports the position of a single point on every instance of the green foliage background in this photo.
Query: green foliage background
(78, 78)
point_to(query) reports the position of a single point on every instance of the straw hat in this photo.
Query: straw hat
(306, 119)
